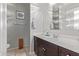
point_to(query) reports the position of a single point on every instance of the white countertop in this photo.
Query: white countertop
(68, 42)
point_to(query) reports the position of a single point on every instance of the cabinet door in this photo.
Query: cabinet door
(66, 52)
(38, 46)
(47, 49)
(63, 52)
(35, 46)
(51, 49)
(41, 47)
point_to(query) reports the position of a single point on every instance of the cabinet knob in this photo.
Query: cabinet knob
(44, 49)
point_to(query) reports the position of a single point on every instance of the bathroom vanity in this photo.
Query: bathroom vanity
(51, 47)
(64, 29)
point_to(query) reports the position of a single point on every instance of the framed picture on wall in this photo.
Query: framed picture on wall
(19, 15)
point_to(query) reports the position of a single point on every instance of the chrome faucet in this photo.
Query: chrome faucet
(47, 34)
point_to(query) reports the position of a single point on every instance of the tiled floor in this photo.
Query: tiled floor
(19, 52)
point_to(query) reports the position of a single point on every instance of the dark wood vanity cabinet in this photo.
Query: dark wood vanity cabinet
(45, 48)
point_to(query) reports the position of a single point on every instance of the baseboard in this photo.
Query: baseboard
(12, 48)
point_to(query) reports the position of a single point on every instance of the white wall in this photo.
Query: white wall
(3, 29)
(41, 15)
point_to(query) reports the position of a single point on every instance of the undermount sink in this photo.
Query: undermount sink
(49, 37)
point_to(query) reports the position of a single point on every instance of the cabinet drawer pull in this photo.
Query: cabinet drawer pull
(44, 49)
